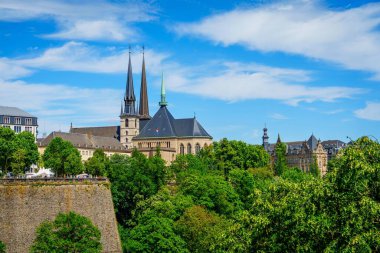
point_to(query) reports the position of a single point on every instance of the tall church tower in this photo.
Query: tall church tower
(129, 118)
(265, 138)
(144, 106)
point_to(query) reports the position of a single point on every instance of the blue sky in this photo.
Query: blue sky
(300, 67)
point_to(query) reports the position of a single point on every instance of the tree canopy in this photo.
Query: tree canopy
(69, 232)
(17, 151)
(2, 247)
(98, 164)
(194, 206)
(62, 158)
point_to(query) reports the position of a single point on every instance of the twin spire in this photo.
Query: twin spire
(129, 97)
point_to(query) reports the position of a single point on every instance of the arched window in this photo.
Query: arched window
(126, 139)
(189, 148)
(126, 132)
(126, 123)
(197, 148)
(182, 149)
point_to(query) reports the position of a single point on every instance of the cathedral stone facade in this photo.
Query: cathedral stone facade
(137, 129)
(301, 154)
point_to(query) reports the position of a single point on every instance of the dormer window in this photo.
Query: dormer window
(28, 121)
(17, 121)
(6, 120)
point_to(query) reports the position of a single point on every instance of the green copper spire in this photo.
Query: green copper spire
(163, 95)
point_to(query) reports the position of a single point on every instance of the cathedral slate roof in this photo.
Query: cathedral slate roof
(106, 131)
(164, 125)
(85, 141)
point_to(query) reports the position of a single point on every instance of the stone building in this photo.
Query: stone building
(137, 129)
(86, 144)
(300, 154)
(18, 120)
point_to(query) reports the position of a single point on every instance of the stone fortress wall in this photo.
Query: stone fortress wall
(25, 205)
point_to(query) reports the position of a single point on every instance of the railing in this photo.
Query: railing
(52, 179)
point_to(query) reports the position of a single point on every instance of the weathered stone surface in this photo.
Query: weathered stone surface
(23, 206)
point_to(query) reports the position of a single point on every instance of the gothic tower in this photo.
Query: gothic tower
(129, 118)
(265, 138)
(144, 108)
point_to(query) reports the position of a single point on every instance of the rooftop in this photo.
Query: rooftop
(14, 111)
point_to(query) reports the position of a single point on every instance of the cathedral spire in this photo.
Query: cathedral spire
(129, 98)
(278, 138)
(144, 108)
(163, 94)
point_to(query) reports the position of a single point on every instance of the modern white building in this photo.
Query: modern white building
(18, 120)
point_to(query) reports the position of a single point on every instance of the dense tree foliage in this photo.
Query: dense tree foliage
(17, 151)
(69, 232)
(207, 203)
(98, 164)
(280, 164)
(62, 158)
(228, 155)
(2, 247)
(134, 179)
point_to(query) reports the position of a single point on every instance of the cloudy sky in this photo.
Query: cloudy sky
(300, 67)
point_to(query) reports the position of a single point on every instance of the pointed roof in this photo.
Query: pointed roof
(278, 138)
(161, 125)
(144, 108)
(129, 91)
(163, 93)
(312, 142)
(190, 128)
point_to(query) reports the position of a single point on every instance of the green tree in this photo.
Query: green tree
(26, 141)
(18, 161)
(354, 199)
(98, 164)
(155, 235)
(134, 179)
(17, 151)
(243, 183)
(239, 155)
(314, 169)
(211, 191)
(2, 247)
(69, 232)
(201, 229)
(6, 148)
(280, 158)
(62, 157)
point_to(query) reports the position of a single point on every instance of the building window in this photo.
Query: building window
(126, 123)
(17, 129)
(17, 121)
(126, 139)
(189, 148)
(7, 120)
(28, 121)
(182, 149)
(197, 148)
(126, 132)
(28, 129)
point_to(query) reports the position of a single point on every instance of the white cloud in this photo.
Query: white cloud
(58, 105)
(347, 37)
(9, 70)
(80, 57)
(86, 20)
(370, 112)
(229, 81)
(278, 116)
(251, 81)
